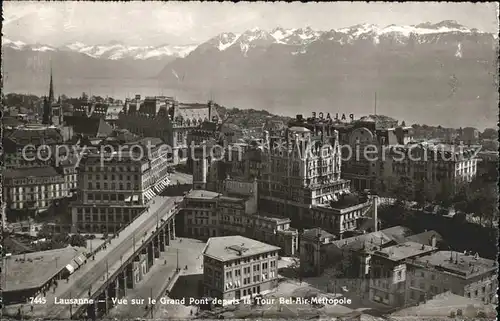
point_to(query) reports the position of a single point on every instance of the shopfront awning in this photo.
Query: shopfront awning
(150, 194)
(128, 199)
(135, 198)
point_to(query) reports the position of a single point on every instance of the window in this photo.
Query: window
(400, 275)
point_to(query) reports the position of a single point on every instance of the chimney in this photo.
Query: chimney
(137, 97)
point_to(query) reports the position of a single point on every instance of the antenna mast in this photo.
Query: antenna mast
(375, 103)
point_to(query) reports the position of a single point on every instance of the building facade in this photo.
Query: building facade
(37, 188)
(236, 268)
(388, 272)
(312, 256)
(115, 187)
(435, 168)
(165, 118)
(206, 214)
(22, 143)
(463, 274)
(302, 180)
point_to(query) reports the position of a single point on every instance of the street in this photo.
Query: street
(187, 285)
(188, 252)
(123, 247)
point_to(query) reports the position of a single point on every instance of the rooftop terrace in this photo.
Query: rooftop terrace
(458, 263)
(228, 248)
(404, 251)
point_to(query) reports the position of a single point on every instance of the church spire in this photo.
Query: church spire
(51, 88)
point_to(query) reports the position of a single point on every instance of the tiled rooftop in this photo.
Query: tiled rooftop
(466, 265)
(31, 172)
(94, 127)
(196, 111)
(315, 232)
(425, 237)
(227, 248)
(439, 308)
(370, 241)
(404, 251)
(36, 134)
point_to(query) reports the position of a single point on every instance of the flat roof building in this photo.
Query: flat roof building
(464, 274)
(29, 274)
(236, 268)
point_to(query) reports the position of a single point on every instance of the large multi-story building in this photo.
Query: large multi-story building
(439, 167)
(165, 118)
(321, 250)
(301, 180)
(32, 145)
(105, 109)
(461, 273)
(114, 187)
(367, 133)
(469, 135)
(35, 189)
(236, 267)
(207, 214)
(388, 272)
(298, 171)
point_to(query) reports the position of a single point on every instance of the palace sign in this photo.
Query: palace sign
(337, 116)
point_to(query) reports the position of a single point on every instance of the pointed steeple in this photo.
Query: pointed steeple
(51, 88)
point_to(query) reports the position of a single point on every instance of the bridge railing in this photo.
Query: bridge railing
(114, 274)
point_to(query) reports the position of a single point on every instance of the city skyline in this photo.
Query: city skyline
(61, 23)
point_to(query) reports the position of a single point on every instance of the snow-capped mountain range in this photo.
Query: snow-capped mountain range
(421, 73)
(254, 38)
(112, 51)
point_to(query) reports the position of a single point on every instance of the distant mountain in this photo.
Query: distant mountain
(114, 50)
(421, 73)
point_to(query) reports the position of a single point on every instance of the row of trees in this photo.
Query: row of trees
(59, 240)
(478, 197)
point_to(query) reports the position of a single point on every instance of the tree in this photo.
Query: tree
(402, 192)
(45, 232)
(444, 197)
(85, 96)
(78, 240)
(422, 196)
(489, 133)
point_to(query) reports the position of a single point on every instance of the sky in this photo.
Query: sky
(180, 23)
